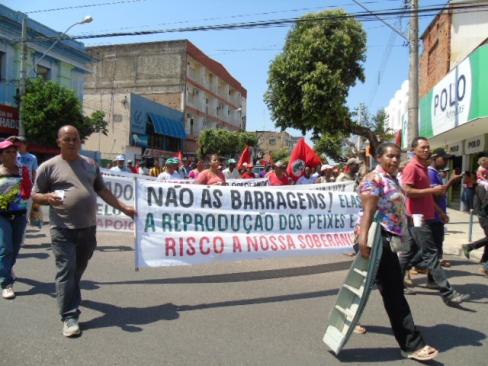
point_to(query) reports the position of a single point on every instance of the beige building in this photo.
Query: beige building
(271, 141)
(172, 73)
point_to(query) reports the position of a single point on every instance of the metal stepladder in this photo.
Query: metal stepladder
(353, 295)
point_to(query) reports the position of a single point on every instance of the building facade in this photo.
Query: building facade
(139, 127)
(272, 141)
(66, 64)
(397, 113)
(453, 105)
(172, 73)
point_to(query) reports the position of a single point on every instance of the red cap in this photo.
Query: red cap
(6, 144)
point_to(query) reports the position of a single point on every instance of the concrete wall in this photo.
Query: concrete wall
(117, 113)
(282, 140)
(468, 31)
(146, 69)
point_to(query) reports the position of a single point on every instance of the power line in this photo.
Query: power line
(133, 1)
(363, 16)
(82, 6)
(248, 15)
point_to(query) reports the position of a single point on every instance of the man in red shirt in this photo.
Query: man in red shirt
(420, 200)
(248, 173)
(278, 176)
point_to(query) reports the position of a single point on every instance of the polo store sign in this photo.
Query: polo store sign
(455, 149)
(475, 145)
(460, 97)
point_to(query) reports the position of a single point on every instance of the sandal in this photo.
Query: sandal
(417, 271)
(358, 329)
(424, 354)
(407, 281)
(445, 263)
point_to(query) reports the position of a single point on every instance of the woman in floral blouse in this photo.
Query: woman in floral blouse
(380, 192)
(15, 188)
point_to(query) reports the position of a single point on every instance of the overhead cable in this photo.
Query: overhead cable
(362, 16)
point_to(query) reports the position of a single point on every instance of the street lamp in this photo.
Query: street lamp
(85, 20)
(23, 60)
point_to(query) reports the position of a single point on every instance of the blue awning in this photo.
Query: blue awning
(140, 140)
(167, 127)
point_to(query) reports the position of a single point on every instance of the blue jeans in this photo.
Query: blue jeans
(12, 230)
(72, 249)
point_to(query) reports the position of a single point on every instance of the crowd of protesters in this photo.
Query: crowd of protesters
(172, 168)
(397, 191)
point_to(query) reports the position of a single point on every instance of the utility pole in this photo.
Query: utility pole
(23, 73)
(413, 77)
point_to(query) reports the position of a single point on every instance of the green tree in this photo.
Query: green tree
(338, 146)
(47, 106)
(224, 142)
(281, 154)
(332, 145)
(309, 81)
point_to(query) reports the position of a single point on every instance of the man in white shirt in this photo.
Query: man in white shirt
(306, 178)
(120, 167)
(170, 170)
(231, 172)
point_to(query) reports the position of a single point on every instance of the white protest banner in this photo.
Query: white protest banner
(109, 218)
(336, 186)
(247, 182)
(181, 224)
(111, 173)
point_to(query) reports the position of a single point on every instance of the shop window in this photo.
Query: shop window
(3, 66)
(43, 72)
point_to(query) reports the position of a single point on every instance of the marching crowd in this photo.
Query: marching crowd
(409, 200)
(216, 171)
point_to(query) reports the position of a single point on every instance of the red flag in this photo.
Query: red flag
(302, 156)
(398, 138)
(179, 155)
(245, 157)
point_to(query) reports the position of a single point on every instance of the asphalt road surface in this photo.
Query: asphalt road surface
(260, 312)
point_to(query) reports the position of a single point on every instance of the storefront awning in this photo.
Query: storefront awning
(140, 140)
(167, 127)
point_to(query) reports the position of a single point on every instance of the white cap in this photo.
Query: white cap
(120, 157)
(326, 166)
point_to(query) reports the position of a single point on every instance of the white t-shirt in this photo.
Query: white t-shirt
(231, 175)
(304, 180)
(118, 170)
(143, 171)
(167, 176)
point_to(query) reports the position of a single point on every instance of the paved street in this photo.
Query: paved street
(259, 312)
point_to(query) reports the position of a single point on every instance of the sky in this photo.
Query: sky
(245, 53)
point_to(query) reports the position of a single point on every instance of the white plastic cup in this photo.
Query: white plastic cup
(59, 193)
(418, 220)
